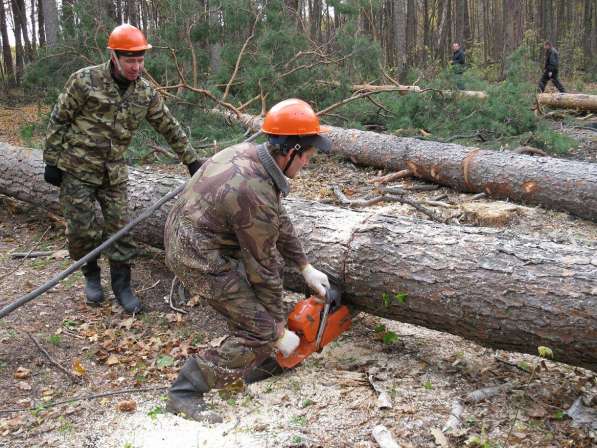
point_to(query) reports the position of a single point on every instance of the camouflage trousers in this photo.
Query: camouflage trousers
(252, 329)
(83, 230)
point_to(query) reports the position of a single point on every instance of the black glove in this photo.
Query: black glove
(53, 175)
(193, 167)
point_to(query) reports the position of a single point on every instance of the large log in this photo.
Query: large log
(578, 101)
(557, 184)
(501, 290)
(404, 89)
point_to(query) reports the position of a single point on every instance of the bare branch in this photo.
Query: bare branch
(240, 56)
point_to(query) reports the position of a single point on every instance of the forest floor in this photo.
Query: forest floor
(332, 400)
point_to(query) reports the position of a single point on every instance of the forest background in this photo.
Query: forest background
(252, 54)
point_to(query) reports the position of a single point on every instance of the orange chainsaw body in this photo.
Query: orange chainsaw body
(305, 320)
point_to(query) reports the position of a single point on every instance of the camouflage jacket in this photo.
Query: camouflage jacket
(92, 125)
(233, 206)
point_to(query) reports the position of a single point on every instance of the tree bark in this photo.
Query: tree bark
(6, 50)
(578, 101)
(50, 22)
(500, 290)
(557, 184)
(404, 89)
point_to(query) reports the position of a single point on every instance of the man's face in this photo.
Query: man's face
(131, 67)
(546, 46)
(455, 47)
(299, 162)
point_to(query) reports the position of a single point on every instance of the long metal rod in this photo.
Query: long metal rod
(95, 252)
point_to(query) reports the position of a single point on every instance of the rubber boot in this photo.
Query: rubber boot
(120, 274)
(263, 371)
(186, 395)
(93, 287)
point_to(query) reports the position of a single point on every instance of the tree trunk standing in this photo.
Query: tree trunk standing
(19, 52)
(468, 34)
(6, 50)
(399, 29)
(50, 16)
(28, 55)
(486, 28)
(41, 24)
(427, 42)
(459, 20)
(501, 290)
(587, 30)
(411, 33)
(33, 26)
(118, 12)
(556, 184)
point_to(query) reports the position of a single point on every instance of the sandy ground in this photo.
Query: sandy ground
(332, 400)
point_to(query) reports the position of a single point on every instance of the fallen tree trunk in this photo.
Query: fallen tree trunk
(500, 290)
(578, 101)
(405, 89)
(557, 184)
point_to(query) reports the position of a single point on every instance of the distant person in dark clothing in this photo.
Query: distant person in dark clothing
(458, 64)
(552, 62)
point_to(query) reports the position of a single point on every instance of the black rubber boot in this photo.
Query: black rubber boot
(120, 275)
(93, 286)
(186, 395)
(263, 371)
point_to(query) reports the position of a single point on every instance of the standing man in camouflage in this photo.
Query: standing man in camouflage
(88, 134)
(550, 69)
(223, 239)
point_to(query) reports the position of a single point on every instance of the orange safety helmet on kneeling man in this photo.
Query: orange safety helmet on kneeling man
(294, 119)
(126, 37)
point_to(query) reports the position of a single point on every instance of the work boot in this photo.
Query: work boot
(186, 395)
(263, 371)
(120, 274)
(93, 286)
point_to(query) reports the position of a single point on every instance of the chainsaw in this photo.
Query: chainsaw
(316, 324)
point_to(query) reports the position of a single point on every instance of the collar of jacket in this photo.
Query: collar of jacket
(108, 80)
(273, 169)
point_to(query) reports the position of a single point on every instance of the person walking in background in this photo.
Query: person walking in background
(550, 72)
(458, 64)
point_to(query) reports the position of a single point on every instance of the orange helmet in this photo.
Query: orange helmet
(292, 117)
(126, 37)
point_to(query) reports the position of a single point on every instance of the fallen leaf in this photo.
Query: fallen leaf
(127, 406)
(24, 385)
(440, 438)
(537, 411)
(78, 368)
(22, 373)
(60, 254)
(112, 360)
(217, 342)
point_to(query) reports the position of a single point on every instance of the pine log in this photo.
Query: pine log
(578, 101)
(405, 89)
(556, 184)
(500, 290)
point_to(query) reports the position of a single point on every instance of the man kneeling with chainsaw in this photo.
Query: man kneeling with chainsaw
(222, 239)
